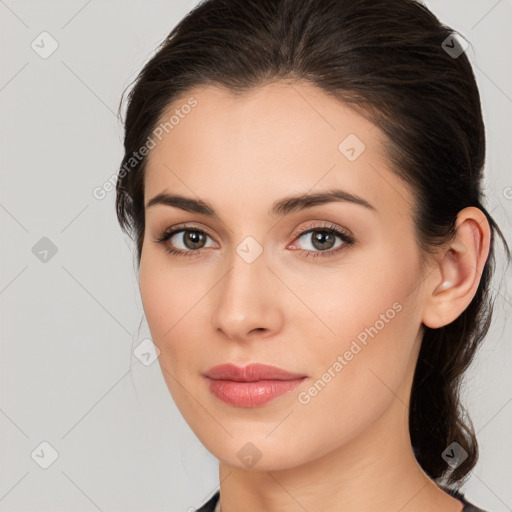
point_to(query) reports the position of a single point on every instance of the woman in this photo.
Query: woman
(303, 183)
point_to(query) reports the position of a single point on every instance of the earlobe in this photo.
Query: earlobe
(460, 267)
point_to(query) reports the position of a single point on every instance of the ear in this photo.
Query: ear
(454, 281)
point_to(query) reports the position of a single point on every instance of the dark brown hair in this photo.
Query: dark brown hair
(388, 60)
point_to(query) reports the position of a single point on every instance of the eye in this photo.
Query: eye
(184, 241)
(321, 241)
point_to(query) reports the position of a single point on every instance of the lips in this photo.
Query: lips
(252, 385)
(250, 373)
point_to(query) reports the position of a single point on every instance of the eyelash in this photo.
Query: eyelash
(345, 237)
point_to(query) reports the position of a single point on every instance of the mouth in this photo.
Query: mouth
(252, 385)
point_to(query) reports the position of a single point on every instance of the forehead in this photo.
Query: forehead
(273, 140)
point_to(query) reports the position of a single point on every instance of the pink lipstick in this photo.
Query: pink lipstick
(252, 385)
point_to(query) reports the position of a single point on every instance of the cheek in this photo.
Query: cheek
(157, 300)
(374, 338)
(174, 299)
(375, 317)
(168, 294)
(366, 296)
(169, 309)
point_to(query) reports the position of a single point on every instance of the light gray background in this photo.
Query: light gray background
(70, 325)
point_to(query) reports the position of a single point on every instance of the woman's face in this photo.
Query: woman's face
(260, 284)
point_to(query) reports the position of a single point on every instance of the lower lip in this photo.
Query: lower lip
(251, 394)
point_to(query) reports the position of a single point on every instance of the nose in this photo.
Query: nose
(248, 302)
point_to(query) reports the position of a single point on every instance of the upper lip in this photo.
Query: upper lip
(250, 373)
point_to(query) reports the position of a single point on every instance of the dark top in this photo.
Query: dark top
(209, 506)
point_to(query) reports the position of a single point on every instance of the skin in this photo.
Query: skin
(349, 447)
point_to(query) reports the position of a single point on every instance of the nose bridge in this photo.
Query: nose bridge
(247, 295)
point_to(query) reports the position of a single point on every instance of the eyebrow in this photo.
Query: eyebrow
(280, 208)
